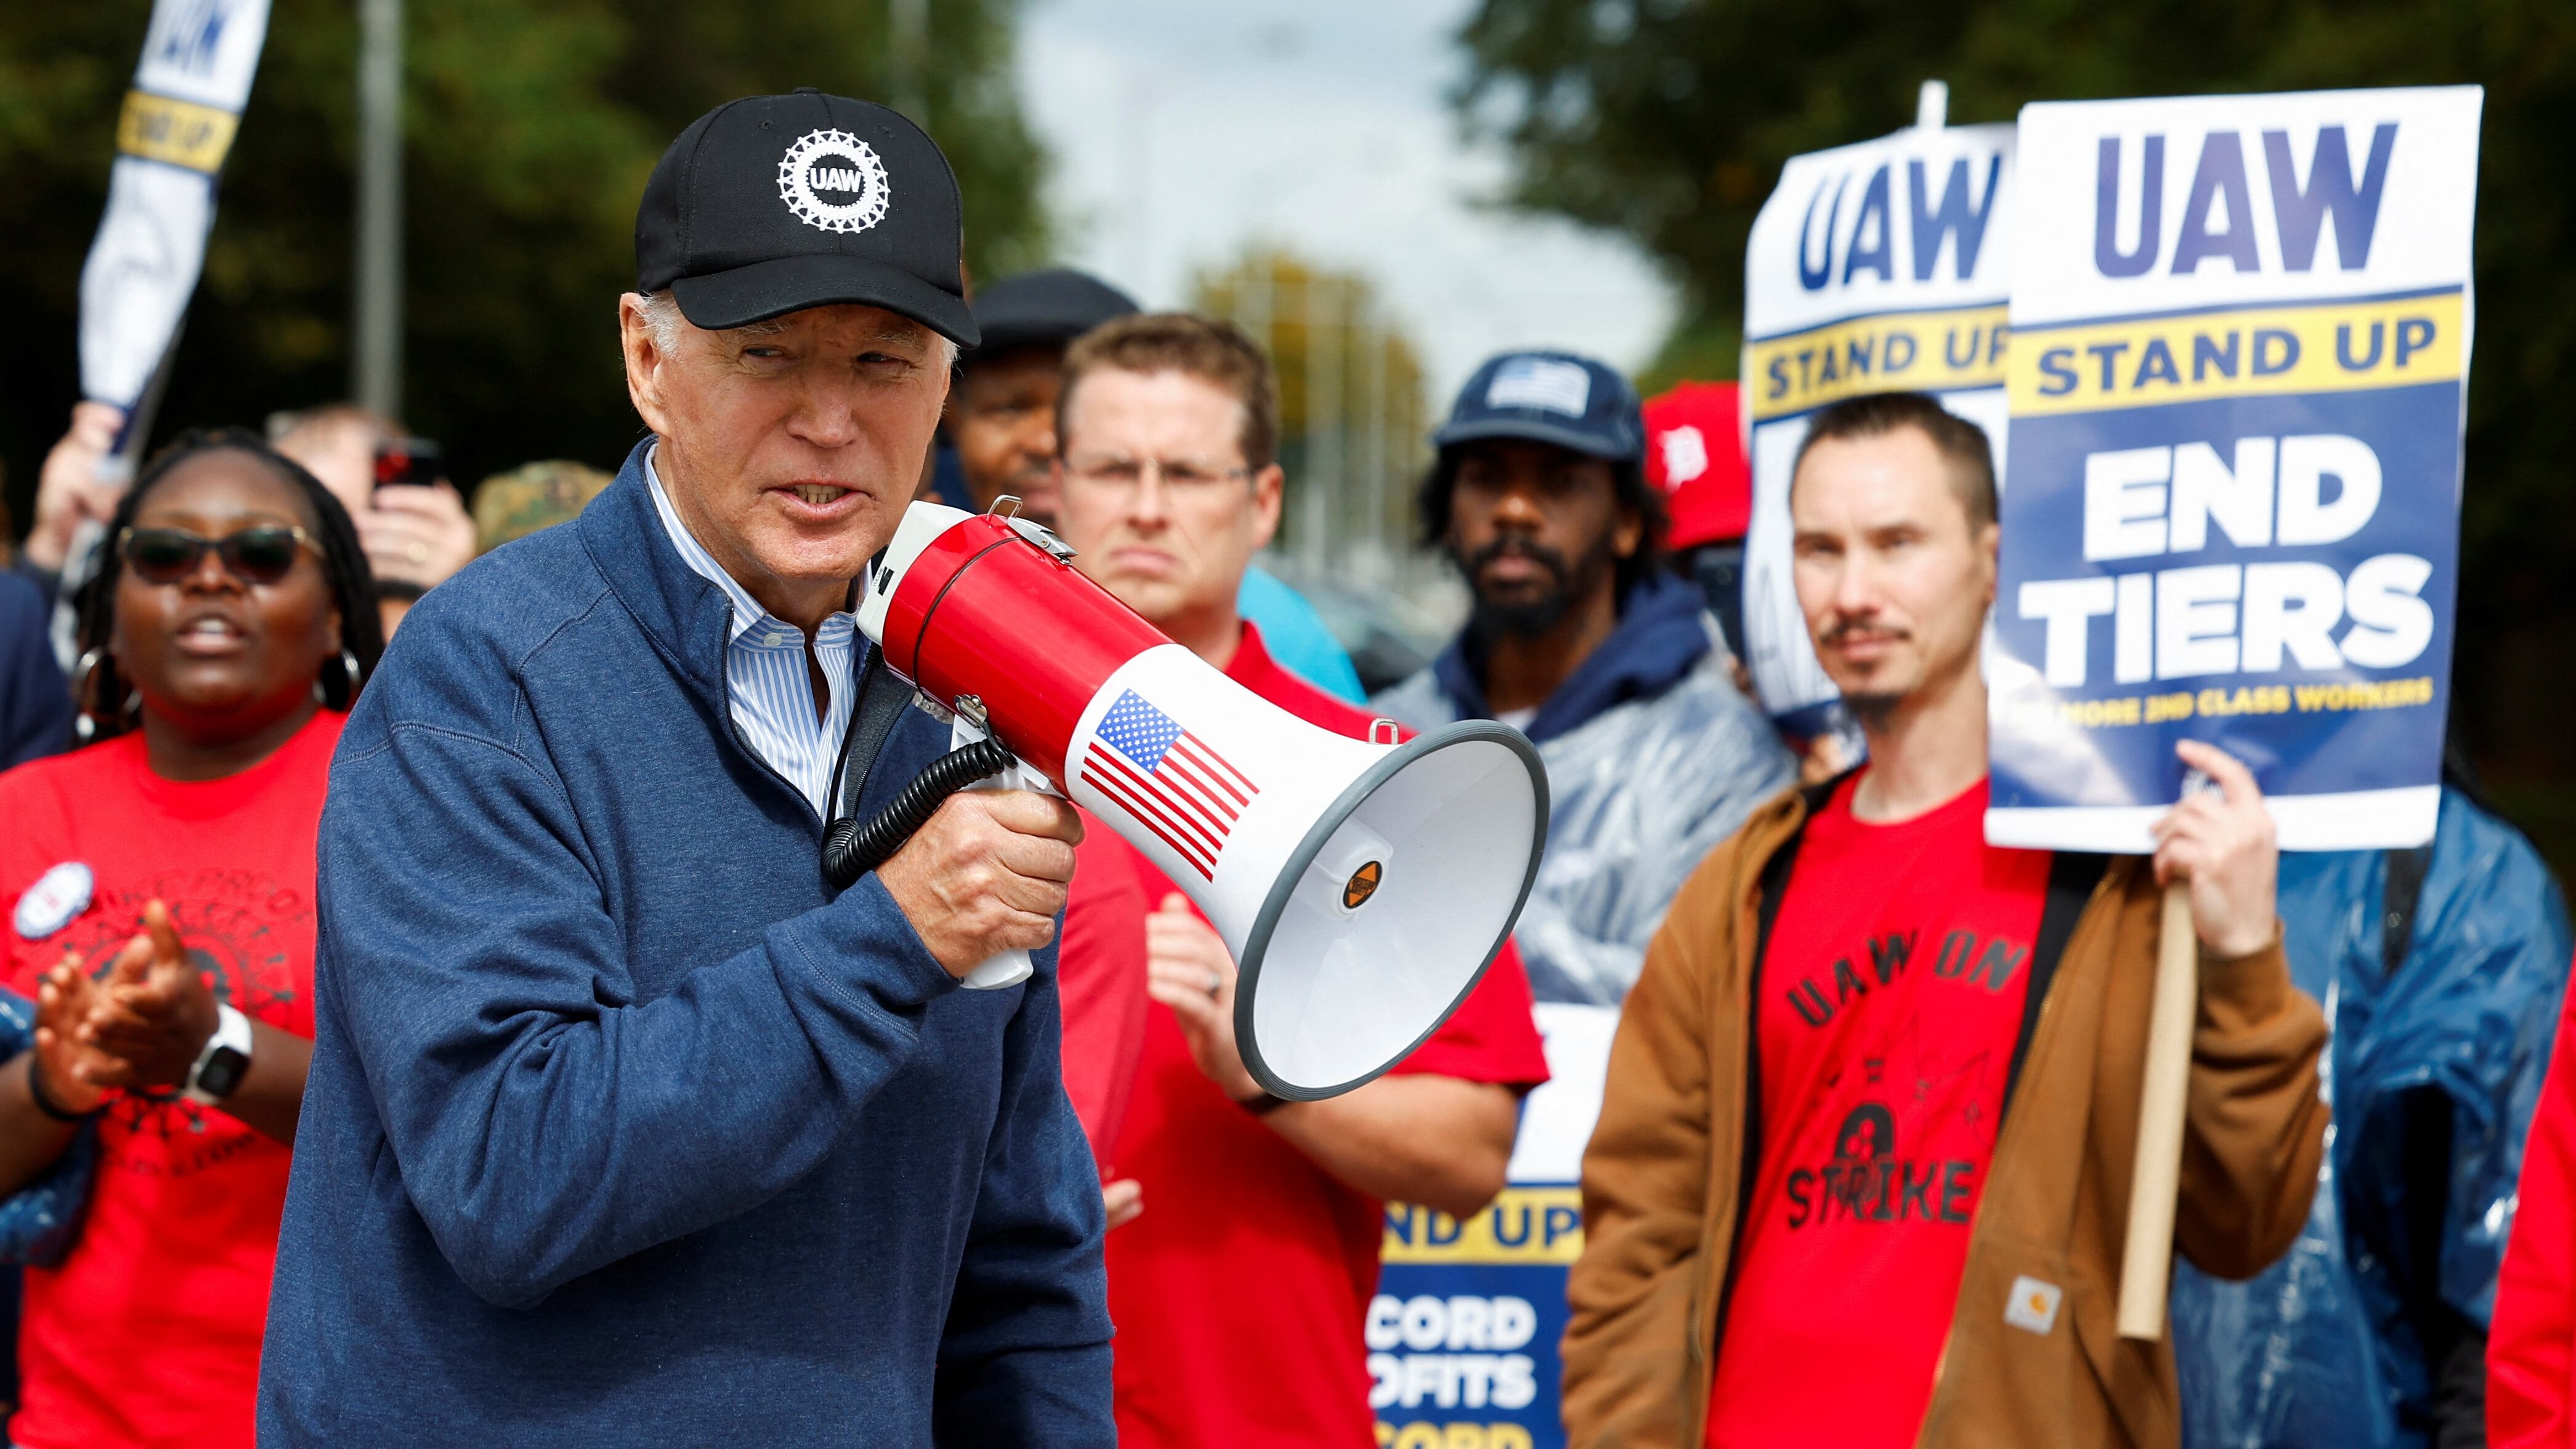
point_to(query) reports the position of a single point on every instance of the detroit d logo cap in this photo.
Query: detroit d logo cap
(772, 204)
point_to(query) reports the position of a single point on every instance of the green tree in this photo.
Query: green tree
(1351, 415)
(1669, 120)
(529, 130)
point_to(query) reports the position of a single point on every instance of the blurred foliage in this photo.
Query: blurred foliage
(529, 129)
(1297, 310)
(1351, 408)
(1668, 120)
(1701, 346)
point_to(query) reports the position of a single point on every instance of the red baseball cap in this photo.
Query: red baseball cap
(1695, 453)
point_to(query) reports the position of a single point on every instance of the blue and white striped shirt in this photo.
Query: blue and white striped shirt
(767, 686)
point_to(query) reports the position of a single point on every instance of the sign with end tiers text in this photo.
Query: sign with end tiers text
(2237, 380)
(1874, 267)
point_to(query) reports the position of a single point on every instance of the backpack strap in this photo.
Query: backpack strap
(1772, 887)
(2071, 879)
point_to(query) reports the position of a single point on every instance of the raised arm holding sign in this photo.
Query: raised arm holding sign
(2237, 379)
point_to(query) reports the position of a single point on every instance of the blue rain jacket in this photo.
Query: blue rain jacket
(2322, 1350)
(1653, 756)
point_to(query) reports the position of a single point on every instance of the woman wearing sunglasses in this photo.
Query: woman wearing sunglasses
(159, 884)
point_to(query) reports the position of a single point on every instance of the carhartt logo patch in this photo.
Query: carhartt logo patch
(833, 181)
(2033, 1304)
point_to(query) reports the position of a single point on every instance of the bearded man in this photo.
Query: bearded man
(1582, 640)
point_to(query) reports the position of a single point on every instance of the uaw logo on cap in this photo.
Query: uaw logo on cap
(833, 181)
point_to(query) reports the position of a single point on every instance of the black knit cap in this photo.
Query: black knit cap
(772, 204)
(1048, 308)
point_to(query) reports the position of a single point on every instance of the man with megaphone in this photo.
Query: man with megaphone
(625, 1124)
(1239, 1289)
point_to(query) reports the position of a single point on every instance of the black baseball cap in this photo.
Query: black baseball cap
(1049, 308)
(772, 204)
(1549, 397)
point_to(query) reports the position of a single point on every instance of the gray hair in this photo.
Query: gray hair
(662, 316)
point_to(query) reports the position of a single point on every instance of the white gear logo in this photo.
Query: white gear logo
(859, 171)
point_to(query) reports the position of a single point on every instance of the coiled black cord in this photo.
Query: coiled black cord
(851, 850)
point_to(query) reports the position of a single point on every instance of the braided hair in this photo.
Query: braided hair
(344, 571)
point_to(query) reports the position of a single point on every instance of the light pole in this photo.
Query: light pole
(375, 361)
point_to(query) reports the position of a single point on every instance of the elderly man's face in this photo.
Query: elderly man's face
(791, 447)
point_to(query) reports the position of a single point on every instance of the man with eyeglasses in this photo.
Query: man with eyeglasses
(1001, 425)
(1241, 1277)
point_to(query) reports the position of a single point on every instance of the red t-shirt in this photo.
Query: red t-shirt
(1890, 1000)
(148, 1333)
(1240, 1291)
(1100, 979)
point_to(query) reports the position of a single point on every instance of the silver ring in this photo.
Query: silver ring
(1216, 986)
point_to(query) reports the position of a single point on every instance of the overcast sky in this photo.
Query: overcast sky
(1183, 131)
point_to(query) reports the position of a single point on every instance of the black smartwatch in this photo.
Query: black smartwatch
(220, 1066)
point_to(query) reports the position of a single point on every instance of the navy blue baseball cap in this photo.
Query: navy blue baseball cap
(1549, 397)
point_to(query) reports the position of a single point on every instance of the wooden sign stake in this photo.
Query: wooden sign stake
(2146, 1260)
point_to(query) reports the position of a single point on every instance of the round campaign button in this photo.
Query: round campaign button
(57, 896)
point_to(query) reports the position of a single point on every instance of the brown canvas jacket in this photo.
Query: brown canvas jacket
(1660, 1189)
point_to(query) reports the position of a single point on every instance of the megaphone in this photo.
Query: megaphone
(1363, 886)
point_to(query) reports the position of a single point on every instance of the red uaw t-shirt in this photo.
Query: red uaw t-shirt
(1889, 1002)
(148, 1333)
(1239, 1293)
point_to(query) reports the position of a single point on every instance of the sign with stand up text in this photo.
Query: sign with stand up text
(1875, 267)
(2238, 373)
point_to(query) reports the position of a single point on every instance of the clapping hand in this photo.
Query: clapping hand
(64, 996)
(150, 1016)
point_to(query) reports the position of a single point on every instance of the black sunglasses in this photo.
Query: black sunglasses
(259, 554)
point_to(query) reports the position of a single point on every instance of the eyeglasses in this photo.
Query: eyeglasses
(1128, 472)
(259, 554)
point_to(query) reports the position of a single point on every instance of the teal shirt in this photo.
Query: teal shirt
(1296, 636)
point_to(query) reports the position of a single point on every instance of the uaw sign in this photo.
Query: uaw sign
(1462, 1332)
(171, 140)
(1875, 267)
(2239, 367)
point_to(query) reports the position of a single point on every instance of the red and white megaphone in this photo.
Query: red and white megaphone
(1363, 887)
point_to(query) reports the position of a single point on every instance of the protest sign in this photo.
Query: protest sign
(2239, 363)
(1462, 1334)
(171, 139)
(1874, 267)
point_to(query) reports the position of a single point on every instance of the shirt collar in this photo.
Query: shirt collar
(748, 615)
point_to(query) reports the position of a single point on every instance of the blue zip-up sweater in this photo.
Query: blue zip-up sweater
(623, 1129)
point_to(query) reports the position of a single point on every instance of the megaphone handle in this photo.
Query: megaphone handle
(1011, 967)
